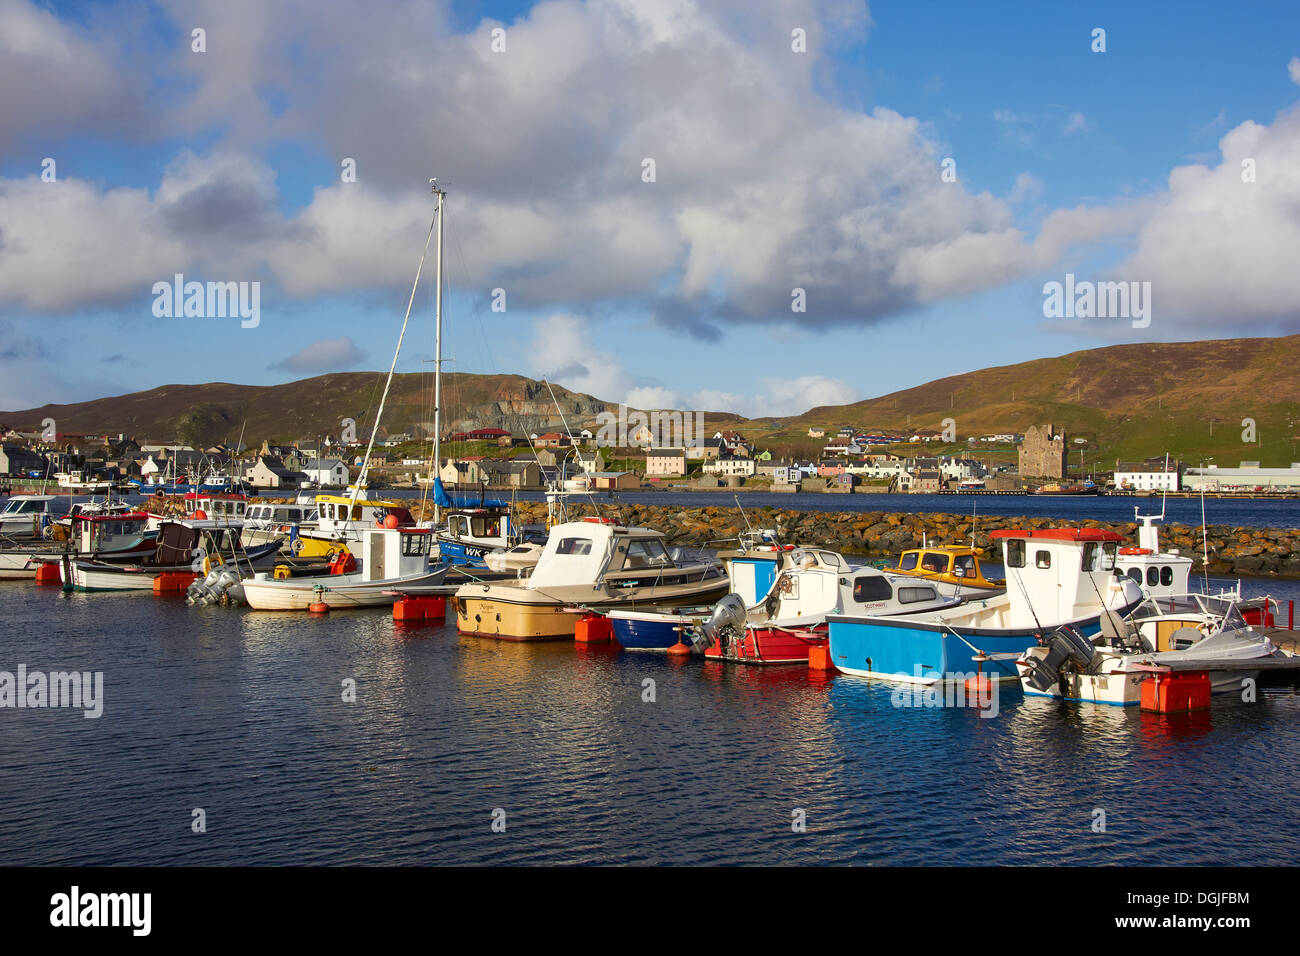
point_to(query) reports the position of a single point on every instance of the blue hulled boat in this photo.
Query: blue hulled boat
(1054, 577)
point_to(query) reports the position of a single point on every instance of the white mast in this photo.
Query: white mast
(365, 464)
(437, 361)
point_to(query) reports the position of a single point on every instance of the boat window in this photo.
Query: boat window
(915, 595)
(574, 546)
(1135, 574)
(908, 563)
(1109, 553)
(871, 588)
(415, 545)
(282, 514)
(967, 563)
(1015, 553)
(1166, 576)
(647, 554)
(934, 561)
(1043, 560)
(357, 513)
(1153, 576)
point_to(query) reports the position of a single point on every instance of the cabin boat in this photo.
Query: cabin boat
(957, 566)
(1055, 577)
(391, 558)
(517, 558)
(342, 522)
(593, 564)
(1196, 633)
(183, 546)
(1056, 488)
(793, 617)
(26, 516)
(121, 536)
(77, 482)
(216, 506)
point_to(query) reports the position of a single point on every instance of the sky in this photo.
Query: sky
(756, 206)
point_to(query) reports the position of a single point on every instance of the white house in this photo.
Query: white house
(329, 472)
(744, 467)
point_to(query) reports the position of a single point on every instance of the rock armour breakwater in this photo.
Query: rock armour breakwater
(1265, 552)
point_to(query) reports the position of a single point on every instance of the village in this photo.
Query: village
(1043, 460)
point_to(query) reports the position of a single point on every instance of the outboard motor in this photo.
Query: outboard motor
(726, 621)
(1065, 650)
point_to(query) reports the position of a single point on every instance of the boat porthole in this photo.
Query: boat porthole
(477, 618)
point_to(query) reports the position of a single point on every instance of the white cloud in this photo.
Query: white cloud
(1075, 123)
(1220, 251)
(1293, 69)
(327, 355)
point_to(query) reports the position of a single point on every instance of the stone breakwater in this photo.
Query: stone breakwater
(1233, 551)
(1265, 552)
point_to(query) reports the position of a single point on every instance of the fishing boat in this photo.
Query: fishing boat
(793, 617)
(1056, 488)
(76, 482)
(593, 564)
(184, 547)
(27, 516)
(1059, 576)
(122, 536)
(267, 521)
(957, 566)
(1198, 635)
(392, 558)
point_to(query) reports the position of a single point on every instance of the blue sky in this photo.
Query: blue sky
(774, 170)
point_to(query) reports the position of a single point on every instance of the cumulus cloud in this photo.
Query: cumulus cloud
(760, 184)
(1220, 249)
(327, 355)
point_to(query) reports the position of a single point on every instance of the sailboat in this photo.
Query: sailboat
(392, 556)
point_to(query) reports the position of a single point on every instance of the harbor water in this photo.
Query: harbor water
(466, 750)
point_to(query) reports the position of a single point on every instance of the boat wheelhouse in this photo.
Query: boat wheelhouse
(1157, 572)
(957, 566)
(1055, 577)
(342, 521)
(215, 506)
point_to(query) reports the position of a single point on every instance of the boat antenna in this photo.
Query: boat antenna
(374, 429)
(1205, 542)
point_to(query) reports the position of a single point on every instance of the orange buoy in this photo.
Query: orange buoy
(979, 690)
(48, 573)
(318, 607)
(679, 650)
(593, 629)
(819, 657)
(200, 515)
(392, 521)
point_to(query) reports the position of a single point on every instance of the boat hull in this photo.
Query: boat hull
(1125, 690)
(522, 614)
(770, 645)
(337, 591)
(922, 652)
(653, 631)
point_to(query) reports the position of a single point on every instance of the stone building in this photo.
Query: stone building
(1042, 453)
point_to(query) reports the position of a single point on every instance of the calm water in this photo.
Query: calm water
(240, 713)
